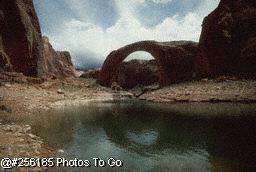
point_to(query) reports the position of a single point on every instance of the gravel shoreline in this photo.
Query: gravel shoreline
(214, 91)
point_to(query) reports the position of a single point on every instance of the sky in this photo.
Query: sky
(91, 29)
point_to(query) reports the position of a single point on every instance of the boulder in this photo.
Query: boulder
(228, 40)
(5, 109)
(175, 60)
(137, 73)
(115, 87)
(5, 62)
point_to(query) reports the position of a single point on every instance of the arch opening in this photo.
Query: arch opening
(139, 55)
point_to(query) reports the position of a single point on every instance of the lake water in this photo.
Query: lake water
(154, 137)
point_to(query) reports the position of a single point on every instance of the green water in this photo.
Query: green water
(154, 137)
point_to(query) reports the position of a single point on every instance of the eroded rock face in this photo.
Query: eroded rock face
(228, 40)
(21, 36)
(175, 60)
(21, 44)
(137, 72)
(56, 63)
(5, 62)
(1, 28)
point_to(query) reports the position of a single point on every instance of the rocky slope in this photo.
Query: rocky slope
(22, 48)
(217, 90)
(228, 40)
(57, 64)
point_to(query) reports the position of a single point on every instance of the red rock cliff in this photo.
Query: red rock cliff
(57, 64)
(228, 40)
(21, 35)
(22, 47)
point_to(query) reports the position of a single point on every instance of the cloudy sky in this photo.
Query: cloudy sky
(91, 29)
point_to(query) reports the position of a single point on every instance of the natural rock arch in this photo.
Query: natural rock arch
(175, 60)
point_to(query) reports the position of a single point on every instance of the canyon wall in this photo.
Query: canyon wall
(57, 64)
(228, 40)
(21, 36)
(21, 43)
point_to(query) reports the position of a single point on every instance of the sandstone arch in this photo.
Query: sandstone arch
(175, 60)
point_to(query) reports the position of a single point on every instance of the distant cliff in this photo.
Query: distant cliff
(137, 72)
(228, 41)
(56, 63)
(22, 45)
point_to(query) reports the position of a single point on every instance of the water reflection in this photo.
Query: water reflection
(156, 137)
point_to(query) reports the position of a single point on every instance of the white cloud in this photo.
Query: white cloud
(81, 37)
(161, 1)
(155, 1)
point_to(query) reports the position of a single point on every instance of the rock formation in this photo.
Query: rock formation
(22, 47)
(57, 64)
(5, 63)
(174, 60)
(93, 74)
(21, 36)
(137, 72)
(1, 28)
(228, 40)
